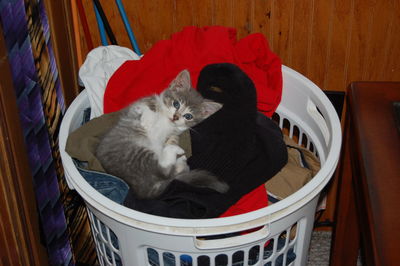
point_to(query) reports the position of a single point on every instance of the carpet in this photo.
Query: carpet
(320, 249)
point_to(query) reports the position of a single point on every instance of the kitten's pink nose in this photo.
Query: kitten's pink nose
(175, 117)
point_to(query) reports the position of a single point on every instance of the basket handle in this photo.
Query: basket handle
(318, 119)
(233, 241)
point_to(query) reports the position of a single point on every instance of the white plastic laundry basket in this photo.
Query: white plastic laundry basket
(281, 232)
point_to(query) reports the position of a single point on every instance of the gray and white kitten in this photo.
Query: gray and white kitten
(142, 147)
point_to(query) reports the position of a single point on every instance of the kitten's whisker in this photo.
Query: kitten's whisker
(191, 129)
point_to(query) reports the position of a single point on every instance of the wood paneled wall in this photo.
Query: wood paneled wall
(332, 42)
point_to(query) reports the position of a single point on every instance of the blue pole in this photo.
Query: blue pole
(128, 27)
(100, 24)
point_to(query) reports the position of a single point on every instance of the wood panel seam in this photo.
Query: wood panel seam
(329, 45)
(348, 45)
(310, 38)
(388, 40)
(368, 42)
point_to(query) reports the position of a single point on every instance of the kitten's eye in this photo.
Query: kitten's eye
(176, 104)
(188, 116)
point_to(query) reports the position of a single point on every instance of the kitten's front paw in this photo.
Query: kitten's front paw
(174, 150)
(169, 155)
(181, 165)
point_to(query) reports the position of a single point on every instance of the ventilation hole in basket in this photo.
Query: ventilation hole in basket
(290, 256)
(293, 232)
(279, 260)
(319, 111)
(168, 258)
(152, 257)
(311, 147)
(286, 127)
(103, 231)
(296, 134)
(118, 260)
(238, 258)
(224, 236)
(254, 254)
(304, 141)
(203, 260)
(268, 249)
(268, 264)
(108, 253)
(114, 240)
(281, 241)
(186, 260)
(221, 260)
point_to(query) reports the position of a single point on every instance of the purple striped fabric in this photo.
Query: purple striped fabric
(30, 87)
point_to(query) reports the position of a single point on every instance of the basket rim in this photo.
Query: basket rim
(208, 226)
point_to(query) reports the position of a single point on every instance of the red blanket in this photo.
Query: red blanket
(192, 49)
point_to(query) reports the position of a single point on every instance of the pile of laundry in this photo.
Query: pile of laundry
(240, 143)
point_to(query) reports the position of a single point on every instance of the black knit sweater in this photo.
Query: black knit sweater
(237, 143)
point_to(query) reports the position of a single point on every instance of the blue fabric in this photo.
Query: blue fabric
(110, 186)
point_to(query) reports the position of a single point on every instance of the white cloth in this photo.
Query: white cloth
(99, 66)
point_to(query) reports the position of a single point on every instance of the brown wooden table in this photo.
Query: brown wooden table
(368, 207)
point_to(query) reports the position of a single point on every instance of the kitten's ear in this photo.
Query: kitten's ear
(182, 81)
(209, 107)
